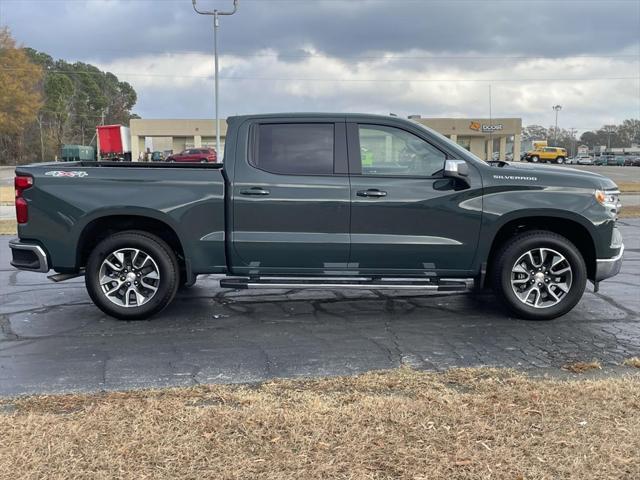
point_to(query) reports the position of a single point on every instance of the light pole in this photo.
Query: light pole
(216, 24)
(557, 108)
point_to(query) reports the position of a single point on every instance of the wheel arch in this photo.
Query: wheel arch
(572, 229)
(101, 227)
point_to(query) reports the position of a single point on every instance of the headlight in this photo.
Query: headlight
(609, 199)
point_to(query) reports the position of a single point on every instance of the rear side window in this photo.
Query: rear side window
(295, 148)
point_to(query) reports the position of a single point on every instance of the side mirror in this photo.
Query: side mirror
(457, 169)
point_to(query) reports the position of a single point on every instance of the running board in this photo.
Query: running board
(61, 277)
(362, 283)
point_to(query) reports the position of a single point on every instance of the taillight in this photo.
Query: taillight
(22, 208)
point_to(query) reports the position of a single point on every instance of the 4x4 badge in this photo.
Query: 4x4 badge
(61, 173)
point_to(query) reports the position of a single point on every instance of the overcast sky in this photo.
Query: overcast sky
(436, 58)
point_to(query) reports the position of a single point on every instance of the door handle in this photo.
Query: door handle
(255, 191)
(372, 192)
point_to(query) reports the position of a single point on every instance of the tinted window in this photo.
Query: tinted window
(392, 151)
(295, 148)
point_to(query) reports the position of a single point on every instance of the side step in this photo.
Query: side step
(362, 283)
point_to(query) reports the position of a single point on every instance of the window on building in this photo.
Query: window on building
(295, 148)
(392, 151)
(464, 142)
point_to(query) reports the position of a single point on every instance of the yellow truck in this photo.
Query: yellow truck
(542, 153)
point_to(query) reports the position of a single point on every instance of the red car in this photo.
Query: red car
(198, 155)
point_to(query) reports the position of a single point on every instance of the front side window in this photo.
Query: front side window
(295, 148)
(393, 151)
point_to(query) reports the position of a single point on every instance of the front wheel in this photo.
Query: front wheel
(535, 159)
(132, 275)
(539, 275)
(560, 160)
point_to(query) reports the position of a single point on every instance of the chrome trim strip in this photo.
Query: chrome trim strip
(612, 259)
(371, 286)
(37, 249)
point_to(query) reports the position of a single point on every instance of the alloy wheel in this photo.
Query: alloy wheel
(129, 277)
(541, 277)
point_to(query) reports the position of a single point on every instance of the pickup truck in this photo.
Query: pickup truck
(321, 201)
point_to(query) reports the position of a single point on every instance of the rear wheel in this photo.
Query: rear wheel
(535, 159)
(132, 275)
(560, 160)
(539, 275)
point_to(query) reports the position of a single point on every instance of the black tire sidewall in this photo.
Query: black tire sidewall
(518, 247)
(161, 254)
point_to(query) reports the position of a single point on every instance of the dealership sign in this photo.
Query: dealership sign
(481, 127)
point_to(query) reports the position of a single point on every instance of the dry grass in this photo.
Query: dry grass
(630, 211)
(632, 362)
(629, 187)
(7, 195)
(8, 227)
(463, 424)
(581, 367)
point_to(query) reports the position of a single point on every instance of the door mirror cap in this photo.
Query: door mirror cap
(456, 169)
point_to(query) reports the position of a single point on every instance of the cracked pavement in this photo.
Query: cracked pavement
(52, 338)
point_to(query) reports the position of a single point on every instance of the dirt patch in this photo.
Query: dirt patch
(581, 367)
(400, 424)
(632, 362)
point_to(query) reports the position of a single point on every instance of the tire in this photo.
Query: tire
(566, 287)
(560, 160)
(203, 160)
(157, 282)
(535, 159)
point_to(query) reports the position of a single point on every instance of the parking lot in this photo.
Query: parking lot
(53, 339)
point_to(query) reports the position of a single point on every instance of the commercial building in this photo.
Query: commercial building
(481, 136)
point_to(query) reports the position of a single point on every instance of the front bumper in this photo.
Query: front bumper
(608, 267)
(27, 256)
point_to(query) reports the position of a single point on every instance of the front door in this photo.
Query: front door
(406, 218)
(291, 199)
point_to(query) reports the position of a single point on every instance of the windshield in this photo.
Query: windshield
(461, 150)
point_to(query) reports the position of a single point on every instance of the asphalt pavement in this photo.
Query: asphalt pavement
(52, 338)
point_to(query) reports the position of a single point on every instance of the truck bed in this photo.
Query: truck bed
(68, 200)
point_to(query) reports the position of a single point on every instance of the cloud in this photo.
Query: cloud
(600, 90)
(407, 56)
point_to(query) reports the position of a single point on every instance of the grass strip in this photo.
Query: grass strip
(462, 424)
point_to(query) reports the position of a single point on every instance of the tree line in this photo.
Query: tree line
(611, 136)
(45, 103)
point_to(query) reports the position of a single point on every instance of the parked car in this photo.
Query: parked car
(547, 154)
(636, 161)
(584, 160)
(157, 156)
(195, 155)
(298, 205)
(615, 160)
(602, 159)
(630, 161)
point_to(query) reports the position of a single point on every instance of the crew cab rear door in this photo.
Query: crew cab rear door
(406, 218)
(290, 197)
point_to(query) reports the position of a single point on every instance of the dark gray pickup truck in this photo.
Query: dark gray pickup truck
(321, 200)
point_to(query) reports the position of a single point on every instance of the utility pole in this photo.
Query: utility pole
(557, 108)
(216, 24)
(573, 141)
